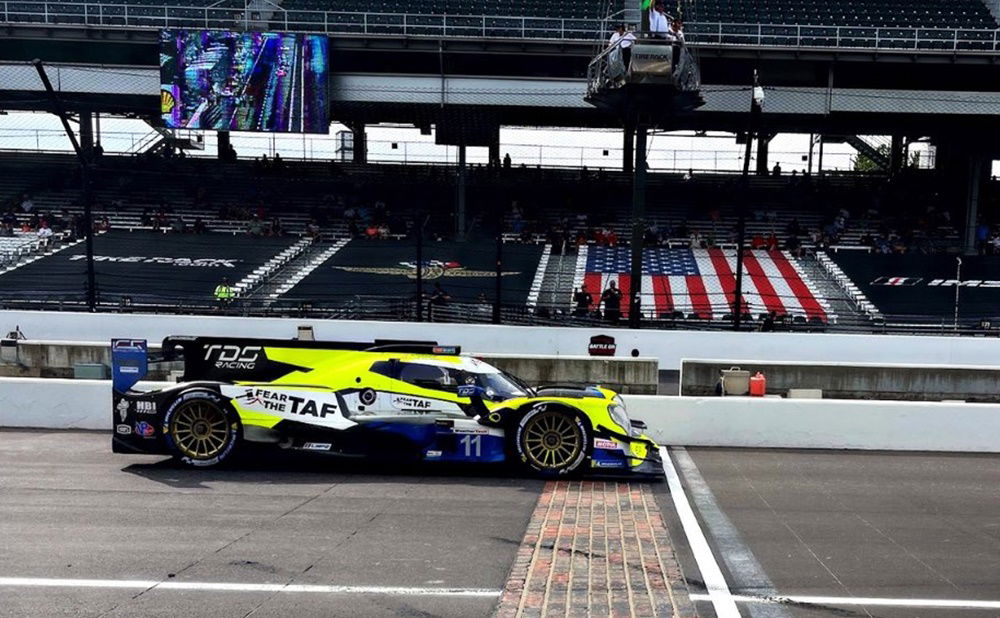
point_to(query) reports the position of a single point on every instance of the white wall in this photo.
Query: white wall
(701, 421)
(669, 346)
(818, 423)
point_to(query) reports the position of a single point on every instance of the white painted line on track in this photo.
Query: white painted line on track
(16, 582)
(718, 591)
(869, 601)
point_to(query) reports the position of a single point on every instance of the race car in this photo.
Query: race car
(386, 399)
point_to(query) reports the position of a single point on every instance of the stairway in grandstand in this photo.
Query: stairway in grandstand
(299, 268)
(701, 283)
(847, 309)
(558, 283)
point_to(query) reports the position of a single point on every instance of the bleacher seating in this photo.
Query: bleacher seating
(701, 284)
(924, 24)
(149, 268)
(921, 288)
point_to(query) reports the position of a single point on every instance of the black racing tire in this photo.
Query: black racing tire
(201, 429)
(552, 441)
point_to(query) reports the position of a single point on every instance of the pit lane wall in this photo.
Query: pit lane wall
(690, 421)
(668, 346)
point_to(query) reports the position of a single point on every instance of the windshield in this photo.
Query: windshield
(497, 385)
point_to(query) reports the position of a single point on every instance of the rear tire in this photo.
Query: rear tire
(200, 428)
(552, 441)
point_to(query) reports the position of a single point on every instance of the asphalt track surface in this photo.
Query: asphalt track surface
(69, 508)
(840, 527)
(832, 528)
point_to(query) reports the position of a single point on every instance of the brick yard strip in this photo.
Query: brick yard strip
(595, 548)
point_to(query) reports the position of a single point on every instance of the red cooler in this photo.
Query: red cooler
(758, 385)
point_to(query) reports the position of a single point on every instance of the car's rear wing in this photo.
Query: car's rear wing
(227, 359)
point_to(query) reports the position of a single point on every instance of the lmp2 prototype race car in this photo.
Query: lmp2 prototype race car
(388, 400)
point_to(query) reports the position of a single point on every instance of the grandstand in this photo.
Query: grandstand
(324, 238)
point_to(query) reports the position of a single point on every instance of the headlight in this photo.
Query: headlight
(619, 416)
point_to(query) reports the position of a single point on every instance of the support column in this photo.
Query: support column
(628, 148)
(223, 144)
(897, 155)
(87, 133)
(460, 196)
(763, 141)
(973, 179)
(494, 154)
(638, 226)
(360, 139)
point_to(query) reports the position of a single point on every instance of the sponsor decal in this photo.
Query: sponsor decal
(432, 269)
(471, 430)
(169, 261)
(935, 283)
(124, 430)
(405, 402)
(367, 396)
(602, 345)
(433, 454)
(167, 101)
(122, 408)
(145, 407)
(286, 403)
(128, 369)
(129, 345)
(233, 356)
(606, 444)
(317, 446)
(144, 429)
(605, 464)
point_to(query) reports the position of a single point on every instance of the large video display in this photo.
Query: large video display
(244, 81)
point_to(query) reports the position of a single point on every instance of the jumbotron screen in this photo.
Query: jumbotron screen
(244, 81)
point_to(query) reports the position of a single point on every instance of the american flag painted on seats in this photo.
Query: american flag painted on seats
(702, 281)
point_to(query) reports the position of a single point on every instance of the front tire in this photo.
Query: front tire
(200, 428)
(552, 440)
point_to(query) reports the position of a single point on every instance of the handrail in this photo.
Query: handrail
(495, 26)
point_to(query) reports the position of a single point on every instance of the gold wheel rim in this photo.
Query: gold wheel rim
(199, 429)
(552, 440)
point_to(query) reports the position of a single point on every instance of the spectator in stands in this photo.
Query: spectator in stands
(103, 225)
(6, 229)
(583, 301)
(27, 204)
(9, 218)
(223, 294)
(146, 220)
(658, 23)
(676, 33)
(757, 242)
(312, 229)
(279, 163)
(767, 324)
(771, 243)
(612, 299)
(777, 169)
(177, 225)
(506, 161)
(439, 298)
(256, 227)
(44, 231)
(199, 226)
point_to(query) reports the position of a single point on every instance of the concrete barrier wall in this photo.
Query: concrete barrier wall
(820, 423)
(855, 381)
(693, 421)
(56, 359)
(668, 346)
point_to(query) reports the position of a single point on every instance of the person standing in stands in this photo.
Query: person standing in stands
(223, 294)
(658, 24)
(612, 299)
(583, 301)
